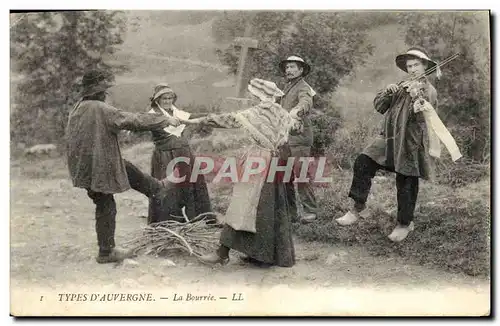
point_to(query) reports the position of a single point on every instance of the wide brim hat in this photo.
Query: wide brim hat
(95, 81)
(414, 53)
(299, 60)
(264, 90)
(161, 89)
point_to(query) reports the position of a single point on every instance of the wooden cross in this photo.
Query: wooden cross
(246, 43)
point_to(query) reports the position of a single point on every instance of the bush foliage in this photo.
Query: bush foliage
(451, 232)
(464, 89)
(56, 49)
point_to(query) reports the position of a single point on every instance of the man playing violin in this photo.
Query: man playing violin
(401, 147)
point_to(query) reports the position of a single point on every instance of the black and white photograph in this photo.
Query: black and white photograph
(217, 163)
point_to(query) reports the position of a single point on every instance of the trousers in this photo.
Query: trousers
(105, 211)
(407, 187)
(304, 194)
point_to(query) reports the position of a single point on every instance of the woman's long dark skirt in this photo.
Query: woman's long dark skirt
(272, 243)
(192, 195)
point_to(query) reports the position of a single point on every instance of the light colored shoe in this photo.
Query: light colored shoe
(400, 232)
(349, 218)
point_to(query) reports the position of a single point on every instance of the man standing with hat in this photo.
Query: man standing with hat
(95, 162)
(405, 145)
(298, 100)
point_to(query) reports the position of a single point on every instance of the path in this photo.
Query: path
(53, 248)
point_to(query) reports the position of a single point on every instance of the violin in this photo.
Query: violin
(417, 89)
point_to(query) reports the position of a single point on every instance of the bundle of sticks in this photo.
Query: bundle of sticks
(193, 236)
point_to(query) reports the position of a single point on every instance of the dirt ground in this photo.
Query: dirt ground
(53, 245)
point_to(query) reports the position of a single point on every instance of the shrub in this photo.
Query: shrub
(350, 140)
(460, 173)
(464, 90)
(325, 121)
(451, 225)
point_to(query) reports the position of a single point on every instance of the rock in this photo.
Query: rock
(310, 277)
(130, 262)
(147, 279)
(40, 150)
(65, 185)
(47, 205)
(342, 253)
(332, 259)
(167, 263)
(130, 283)
(311, 256)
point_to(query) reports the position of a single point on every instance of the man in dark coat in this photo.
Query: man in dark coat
(298, 100)
(95, 162)
(402, 147)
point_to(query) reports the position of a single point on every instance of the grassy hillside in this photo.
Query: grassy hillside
(184, 56)
(177, 47)
(181, 55)
(153, 33)
(355, 93)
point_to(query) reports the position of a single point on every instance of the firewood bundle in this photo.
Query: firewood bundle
(193, 236)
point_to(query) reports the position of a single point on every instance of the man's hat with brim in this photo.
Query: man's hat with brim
(160, 89)
(299, 60)
(414, 53)
(95, 81)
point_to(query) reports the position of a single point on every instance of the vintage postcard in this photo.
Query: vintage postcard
(250, 163)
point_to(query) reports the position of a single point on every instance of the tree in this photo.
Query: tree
(464, 89)
(329, 41)
(50, 51)
(333, 43)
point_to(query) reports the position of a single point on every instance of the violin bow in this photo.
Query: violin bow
(431, 70)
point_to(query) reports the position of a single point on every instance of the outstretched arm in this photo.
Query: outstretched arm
(224, 120)
(304, 106)
(122, 120)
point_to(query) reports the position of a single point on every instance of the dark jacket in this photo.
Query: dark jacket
(298, 95)
(94, 158)
(403, 143)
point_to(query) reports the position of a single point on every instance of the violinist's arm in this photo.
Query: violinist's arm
(382, 101)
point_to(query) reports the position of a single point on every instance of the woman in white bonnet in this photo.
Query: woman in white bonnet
(258, 222)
